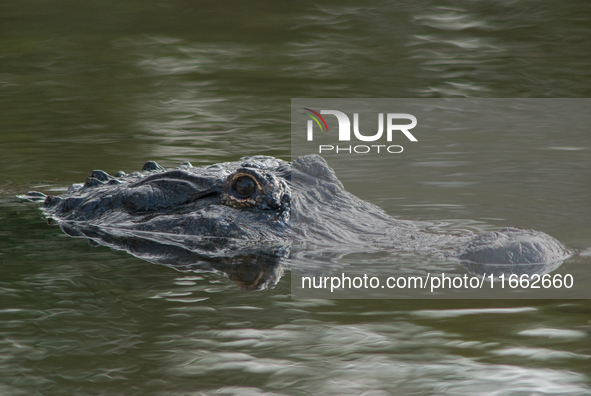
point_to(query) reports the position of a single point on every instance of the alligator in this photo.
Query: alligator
(245, 218)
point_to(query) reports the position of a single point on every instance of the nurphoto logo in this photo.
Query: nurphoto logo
(393, 125)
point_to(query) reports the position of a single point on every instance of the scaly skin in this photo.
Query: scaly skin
(264, 207)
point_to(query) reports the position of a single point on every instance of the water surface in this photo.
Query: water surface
(106, 85)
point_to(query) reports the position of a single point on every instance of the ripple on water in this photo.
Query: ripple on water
(539, 353)
(301, 356)
(454, 313)
(565, 334)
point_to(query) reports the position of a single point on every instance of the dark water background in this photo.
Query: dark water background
(109, 85)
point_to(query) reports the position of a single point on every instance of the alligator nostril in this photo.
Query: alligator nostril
(244, 186)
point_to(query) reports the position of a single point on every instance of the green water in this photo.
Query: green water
(109, 85)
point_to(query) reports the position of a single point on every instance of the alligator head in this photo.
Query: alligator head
(248, 199)
(228, 216)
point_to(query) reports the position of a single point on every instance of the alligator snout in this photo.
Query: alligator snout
(514, 246)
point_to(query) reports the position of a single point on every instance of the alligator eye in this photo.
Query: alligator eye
(244, 186)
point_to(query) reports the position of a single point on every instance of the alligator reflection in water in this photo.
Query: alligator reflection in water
(255, 268)
(242, 217)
